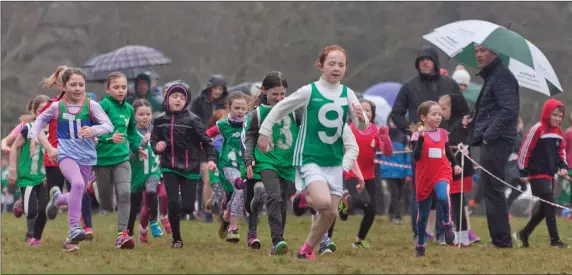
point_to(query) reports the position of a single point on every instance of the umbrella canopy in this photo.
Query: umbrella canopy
(471, 93)
(92, 76)
(130, 57)
(528, 64)
(383, 95)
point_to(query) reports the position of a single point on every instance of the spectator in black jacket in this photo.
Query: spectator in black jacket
(493, 126)
(211, 99)
(429, 84)
(179, 136)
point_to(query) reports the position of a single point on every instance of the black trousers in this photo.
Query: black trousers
(248, 190)
(544, 189)
(186, 205)
(494, 158)
(396, 187)
(368, 209)
(277, 197)
(35, 200)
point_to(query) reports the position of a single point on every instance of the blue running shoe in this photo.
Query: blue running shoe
(156, 230)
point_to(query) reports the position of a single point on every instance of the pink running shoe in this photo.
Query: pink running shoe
(88, 233)
(18, 208)
(124, 241)
(143, 237)
(33, 242)
(166, 224)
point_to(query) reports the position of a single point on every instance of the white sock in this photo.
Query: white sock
(465, 237)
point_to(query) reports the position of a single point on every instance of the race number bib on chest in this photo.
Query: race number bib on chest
(435, 153)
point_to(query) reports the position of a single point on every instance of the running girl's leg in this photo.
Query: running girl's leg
(163, 206)
(424, 207)
(78, 176)
(40, 223)
(136, 198)
(235, 205)
(150, 203)
(121, 178)
(368, 214)
(172, 182)
(85, 212)
(250, 202)
(30, 220)
(442, 194)
(276, 201)
(33, 198)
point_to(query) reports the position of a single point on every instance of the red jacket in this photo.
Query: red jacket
(568, 146)
(542, 152)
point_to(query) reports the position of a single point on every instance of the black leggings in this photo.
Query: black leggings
(368, 209)
(544, 189)
(248, 188)
(396, 190)
(186, 205)
(35, 200)
(456, 202)
(149, 210)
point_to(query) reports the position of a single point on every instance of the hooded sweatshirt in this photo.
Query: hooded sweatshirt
(542, 152)
(421, 88)
(122, 117)
(155, 100)
(204, 106)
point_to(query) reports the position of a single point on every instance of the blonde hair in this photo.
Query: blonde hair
(54, 79)
(112, 76)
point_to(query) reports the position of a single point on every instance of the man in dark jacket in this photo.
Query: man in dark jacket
(493, 127)
(429, 84)
(211, 99)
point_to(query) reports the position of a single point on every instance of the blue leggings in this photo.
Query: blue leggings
(424, 207)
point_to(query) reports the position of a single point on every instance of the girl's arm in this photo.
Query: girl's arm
(42, 120)
(450, 155)
(251, 137)
(290, 104)
(353, 100)
(15, 154)
(206, 141)
(351, 148)
(105, 126)
(417, 145)
(155, 135)
(133, 136)
(9, 139)
(384, 142)
(213, 131)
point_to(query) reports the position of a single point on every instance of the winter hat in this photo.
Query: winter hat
(462, 77)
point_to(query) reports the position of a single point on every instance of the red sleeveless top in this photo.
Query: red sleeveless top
(433, 166)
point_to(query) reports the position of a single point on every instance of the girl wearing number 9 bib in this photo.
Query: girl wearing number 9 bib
(433, 160)
(145, 176)
(80, 119)
(319, 148)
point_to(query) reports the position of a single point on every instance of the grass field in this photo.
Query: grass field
(391, 251)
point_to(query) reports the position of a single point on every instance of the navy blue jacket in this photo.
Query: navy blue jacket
(496, 110)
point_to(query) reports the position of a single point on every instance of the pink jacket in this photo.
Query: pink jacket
(568, 144)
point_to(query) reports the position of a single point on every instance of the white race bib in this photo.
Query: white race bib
(435, 153)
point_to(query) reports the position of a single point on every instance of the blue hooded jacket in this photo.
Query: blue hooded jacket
(394, 166)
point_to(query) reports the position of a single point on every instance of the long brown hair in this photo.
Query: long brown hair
(54, 79)
(33, 108)
(218, 115)
(271, 80)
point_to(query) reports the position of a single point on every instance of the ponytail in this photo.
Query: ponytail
(54, 79)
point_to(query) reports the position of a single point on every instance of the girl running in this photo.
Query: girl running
(113, 171)
(433, 159)
(179, 136)
(54, 175)
(231, 162)
(270, 168)
(213, 198)
(368, 141)
(27, 171)
(145, 177)
(319, 149)
(79, 120)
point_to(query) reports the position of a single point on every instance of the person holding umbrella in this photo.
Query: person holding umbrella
(493, 127)
(143, 89)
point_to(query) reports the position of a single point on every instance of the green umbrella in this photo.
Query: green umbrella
(471, 93)
(528, 64)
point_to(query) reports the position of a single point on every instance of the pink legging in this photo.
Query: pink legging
(78, 177)
(144, 215)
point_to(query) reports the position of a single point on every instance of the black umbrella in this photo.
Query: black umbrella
(130, 57)
(92, 76)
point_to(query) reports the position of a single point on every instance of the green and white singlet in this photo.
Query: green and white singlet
(142, 169)
(31, 170)
(320, 138)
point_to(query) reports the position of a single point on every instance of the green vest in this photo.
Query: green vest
(284, 134)
(31, 170)
(230, 154)
(142, 169)
(320, 138)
